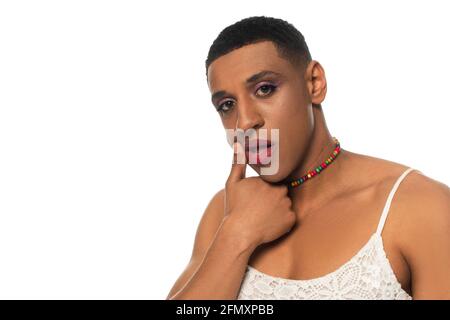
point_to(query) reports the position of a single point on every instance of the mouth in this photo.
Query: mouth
(258, 151)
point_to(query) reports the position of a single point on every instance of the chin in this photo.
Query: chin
(277, 177)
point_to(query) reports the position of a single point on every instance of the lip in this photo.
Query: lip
(257, 145)
(261, 155)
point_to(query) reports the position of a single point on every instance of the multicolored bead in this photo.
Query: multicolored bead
(320, 168)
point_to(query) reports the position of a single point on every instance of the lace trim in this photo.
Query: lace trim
(367, 275)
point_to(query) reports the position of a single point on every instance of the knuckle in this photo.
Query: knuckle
(287, 201)
(283, 189)
(291, 216)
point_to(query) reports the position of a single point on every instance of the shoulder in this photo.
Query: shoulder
(424, 204)
(214, 211)
(424, 235)
(209, 222)
(420, 207)
(423, 201)
(206, 230)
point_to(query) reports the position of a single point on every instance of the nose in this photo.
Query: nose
(248, 117)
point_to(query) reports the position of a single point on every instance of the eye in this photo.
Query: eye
(266, 87)
(224, 107)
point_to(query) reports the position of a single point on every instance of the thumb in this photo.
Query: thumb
(239, 164)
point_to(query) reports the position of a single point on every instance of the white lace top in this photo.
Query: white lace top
(367, 275)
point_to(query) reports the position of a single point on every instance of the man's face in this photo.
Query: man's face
(273, 101)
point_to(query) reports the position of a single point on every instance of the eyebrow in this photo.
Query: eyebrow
(252, 79)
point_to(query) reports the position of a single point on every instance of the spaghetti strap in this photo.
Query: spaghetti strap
(389, 200)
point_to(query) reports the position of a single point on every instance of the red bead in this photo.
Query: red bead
(320, 167)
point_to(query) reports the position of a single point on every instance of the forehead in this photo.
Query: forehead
(239, 64)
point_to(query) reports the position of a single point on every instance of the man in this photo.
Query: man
(261, 76)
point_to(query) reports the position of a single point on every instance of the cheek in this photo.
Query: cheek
(291, 104)
(295, 131)
(228, 122)
(294, 124)
(292, 120)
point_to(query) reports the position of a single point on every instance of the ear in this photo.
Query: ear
(316, 82)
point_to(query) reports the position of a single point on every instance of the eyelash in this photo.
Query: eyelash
(272, 89)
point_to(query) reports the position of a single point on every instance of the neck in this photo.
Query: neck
(329, 182)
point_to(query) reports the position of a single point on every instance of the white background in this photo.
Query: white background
(110, 148)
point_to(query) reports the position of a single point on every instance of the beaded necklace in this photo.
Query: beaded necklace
(318, 169)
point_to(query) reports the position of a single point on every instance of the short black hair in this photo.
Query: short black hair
(289, 41)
